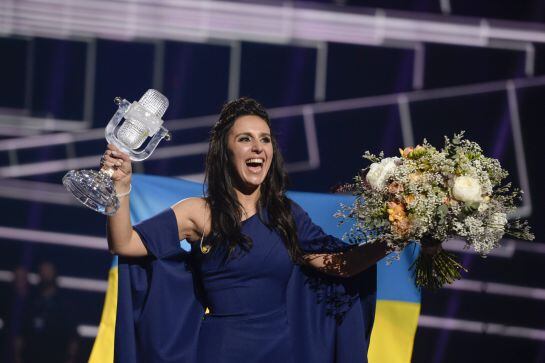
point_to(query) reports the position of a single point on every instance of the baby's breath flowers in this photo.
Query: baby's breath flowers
(429, 196)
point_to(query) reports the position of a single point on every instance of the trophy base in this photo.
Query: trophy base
(94, 189)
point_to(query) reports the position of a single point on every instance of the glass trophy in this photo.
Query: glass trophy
(128, 129)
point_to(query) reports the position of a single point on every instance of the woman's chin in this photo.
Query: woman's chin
(251, 184)
(248, 182)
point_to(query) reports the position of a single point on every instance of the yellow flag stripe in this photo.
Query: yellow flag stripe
(103, 349)
(393, 332)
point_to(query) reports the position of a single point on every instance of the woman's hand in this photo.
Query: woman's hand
(120, 163)
(430, 246)
(350, 262)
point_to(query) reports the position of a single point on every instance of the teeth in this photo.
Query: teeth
(256, 161)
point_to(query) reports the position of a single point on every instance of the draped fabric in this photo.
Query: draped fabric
(156, 322)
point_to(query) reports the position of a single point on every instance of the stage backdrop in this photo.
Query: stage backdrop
(398, 301)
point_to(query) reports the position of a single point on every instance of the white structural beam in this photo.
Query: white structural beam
(53, 238)
(37, 192)
(288, 111)
(480, 327)
(204, 19)
(498, 289)
(402, 100)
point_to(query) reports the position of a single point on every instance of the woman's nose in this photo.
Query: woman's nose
(257, 147)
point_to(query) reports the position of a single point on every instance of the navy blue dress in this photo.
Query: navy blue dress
(263, 308)
(246, 296)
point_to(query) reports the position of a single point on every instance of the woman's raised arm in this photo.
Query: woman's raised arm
(122, 239)
(192, 216)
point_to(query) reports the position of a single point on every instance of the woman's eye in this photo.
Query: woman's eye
(266, 140)
(244, 138)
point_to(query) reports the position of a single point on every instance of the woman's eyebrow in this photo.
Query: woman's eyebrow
(250, 134)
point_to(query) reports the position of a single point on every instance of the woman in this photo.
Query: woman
(247, 240)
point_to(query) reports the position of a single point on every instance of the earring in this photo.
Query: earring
(204, 249)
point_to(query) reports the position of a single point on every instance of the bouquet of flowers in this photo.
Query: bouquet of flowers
(429, 196)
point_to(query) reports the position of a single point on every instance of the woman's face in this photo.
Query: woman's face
(251, 150)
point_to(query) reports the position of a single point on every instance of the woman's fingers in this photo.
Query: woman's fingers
(111, 162)
(121, 155)
(113, 159)
(116, 152)
(118, 161)
(113, 147)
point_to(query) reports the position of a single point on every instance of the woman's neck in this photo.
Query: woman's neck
(248, 200)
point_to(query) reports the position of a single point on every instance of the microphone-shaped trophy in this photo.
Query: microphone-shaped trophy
(95, 189)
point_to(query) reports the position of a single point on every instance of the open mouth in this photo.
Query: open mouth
(255, 165)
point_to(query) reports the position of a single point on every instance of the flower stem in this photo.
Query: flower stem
(433, 271)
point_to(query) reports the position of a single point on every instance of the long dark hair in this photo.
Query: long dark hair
(225, 209)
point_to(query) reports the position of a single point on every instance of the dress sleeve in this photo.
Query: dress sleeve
(330, 317)
(312, 238)
(160, 234)
(158, 312)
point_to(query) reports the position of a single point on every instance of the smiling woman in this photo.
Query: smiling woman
(251, 249)
(251, 150)
(245, 175)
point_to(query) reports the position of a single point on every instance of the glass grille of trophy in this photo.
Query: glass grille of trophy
(130, 127)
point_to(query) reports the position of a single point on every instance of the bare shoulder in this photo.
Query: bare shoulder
(191, 202)
(193, 217)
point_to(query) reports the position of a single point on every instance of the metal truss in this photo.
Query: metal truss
(199, 20)
(306, 112)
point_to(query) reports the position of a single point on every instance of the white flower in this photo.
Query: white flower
(498, 221)
(482, 207)
(467, 189)
(379, 172)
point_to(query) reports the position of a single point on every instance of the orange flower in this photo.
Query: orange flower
(409, 198)
(396, 210)
(414, 177)
(402, 227)
(398, 217)
(395, 187)
(412, 152)
(405, 152)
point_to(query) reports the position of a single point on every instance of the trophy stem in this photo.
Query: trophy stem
(94, 189)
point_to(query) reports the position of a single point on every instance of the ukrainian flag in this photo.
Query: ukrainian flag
(397, 311)
(398, 301)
